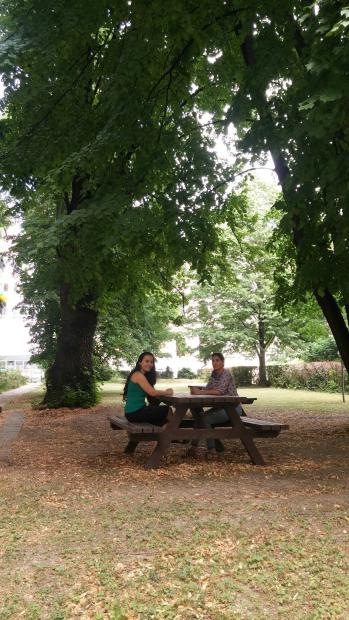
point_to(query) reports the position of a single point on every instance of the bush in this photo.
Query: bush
(10, 379)
(244, 375)
(204, 374)
(102, 370)
(319, 376)
(79, 396)
(166, 374)
(186, 373)
(322, 350)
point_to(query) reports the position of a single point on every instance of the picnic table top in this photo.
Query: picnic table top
(204, 399)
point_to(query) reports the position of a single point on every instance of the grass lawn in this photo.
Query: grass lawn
(87, 533)
(268, 398)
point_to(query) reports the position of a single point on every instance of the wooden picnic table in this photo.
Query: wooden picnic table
(178, 428)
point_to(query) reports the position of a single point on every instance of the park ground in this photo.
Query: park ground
(87, 533)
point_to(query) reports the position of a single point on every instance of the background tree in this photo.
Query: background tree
(278, 72)
(237, 313)
(111, 165)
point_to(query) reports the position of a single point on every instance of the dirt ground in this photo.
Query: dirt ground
(308, 461)
(305, 465)
(313, 454)
(73, 461)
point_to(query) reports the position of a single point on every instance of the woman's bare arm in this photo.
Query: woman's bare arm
(139, 378)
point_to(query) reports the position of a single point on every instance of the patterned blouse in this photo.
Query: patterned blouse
(222, 382)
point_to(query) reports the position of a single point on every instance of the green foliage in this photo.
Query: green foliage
(186, 373)
(101, 127)
(117, 191)
(102, 370)
(73, 397)
(237, 312)
(323, 350)
(11, 379)
(166, 374)
(321, 376)
(4, 215)
(279, 74)
(244, 375)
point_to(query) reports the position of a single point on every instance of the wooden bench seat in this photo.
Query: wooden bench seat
(121, 423)
(260, 428)
(264, 428)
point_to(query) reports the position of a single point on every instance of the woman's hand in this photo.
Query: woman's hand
(169, 392)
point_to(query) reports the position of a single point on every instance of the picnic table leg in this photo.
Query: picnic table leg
(131, 446)
(252, 450)
(245, 437)
(165, 438)
(158, 452)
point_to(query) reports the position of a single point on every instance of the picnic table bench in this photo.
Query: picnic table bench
(180, 428)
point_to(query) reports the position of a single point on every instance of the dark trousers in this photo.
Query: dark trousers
(207, 419)
(153, 414)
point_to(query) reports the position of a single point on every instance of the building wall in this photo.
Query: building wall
(14, 334)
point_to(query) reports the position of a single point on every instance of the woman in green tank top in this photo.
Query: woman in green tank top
(139, 385)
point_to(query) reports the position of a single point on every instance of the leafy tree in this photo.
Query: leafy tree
(101, 137)
(237, 313)
(121, 170)
(323, 350)
(278, 72)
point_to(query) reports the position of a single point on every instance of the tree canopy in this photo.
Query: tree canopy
(103, 142)
(103, 151)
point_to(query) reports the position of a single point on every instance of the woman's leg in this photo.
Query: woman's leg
(153, 414)
(210, 418)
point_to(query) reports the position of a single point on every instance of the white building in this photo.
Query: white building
(14, 335)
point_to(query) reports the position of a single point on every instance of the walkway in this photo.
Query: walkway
(11, 422)
(9, 430)
(28, 387)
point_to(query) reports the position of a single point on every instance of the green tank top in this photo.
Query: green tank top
(135, 398)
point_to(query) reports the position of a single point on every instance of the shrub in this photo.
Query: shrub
(186, 373)
(244, 375)
(10, 379)
(204, 374)
(319, 376)
(102, 370)
(75, 397)
(166, 374)
(322, 350)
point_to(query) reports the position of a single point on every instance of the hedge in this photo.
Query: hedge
(317, 376)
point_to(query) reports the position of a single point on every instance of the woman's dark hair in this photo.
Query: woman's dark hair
(150, 375)
(220, 355)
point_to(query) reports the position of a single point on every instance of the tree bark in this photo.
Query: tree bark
(70, 379)
(262, 370)
(337, 324)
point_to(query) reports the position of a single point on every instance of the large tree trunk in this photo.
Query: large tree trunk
(70, 380)
(327, 302)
